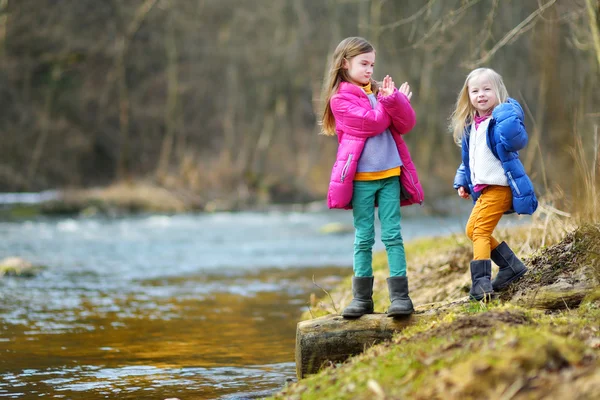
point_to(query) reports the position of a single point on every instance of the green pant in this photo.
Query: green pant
(387, 194)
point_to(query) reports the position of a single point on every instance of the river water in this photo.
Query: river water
(194, 306)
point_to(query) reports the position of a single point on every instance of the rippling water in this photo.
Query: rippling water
(188, 306)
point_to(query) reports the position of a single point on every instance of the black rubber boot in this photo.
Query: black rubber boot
(362, 303)
(481, 273)
(511, 268)
(401, 303)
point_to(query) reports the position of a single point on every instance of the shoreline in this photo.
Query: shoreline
(536, 333)
(138, 198)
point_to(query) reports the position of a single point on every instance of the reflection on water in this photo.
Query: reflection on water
(89, 382)
(188, 306)
(192, 337)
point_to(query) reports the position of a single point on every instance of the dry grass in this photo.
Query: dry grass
(137, 196)
(587, 196)
(468, 350)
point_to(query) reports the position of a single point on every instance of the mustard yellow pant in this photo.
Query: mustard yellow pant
(493, 202)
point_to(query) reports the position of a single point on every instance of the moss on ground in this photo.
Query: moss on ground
(495, 351)
(470, 350)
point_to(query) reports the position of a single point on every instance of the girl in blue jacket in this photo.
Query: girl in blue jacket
(488, 125)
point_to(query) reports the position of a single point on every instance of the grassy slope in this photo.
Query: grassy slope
(505, 349)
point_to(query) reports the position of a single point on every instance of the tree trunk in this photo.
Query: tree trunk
(123, 160)
(594, 16)
(45, 125)
(375, 22)
(548, 46)
(549, 298)
(172, 100)
(123, 157)
(229, 115)
(332, 338)
(3, 24)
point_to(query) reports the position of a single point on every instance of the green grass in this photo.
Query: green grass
(472, 353)
(470, 350)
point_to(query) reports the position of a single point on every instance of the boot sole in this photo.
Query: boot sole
(400, 314)
(355, 315)
(512, 280)
(352, 316)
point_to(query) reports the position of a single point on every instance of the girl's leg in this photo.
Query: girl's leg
(388, 200)
(363, 206)
(488, 210)
(491, 205)
(391, 233)
(471, 224)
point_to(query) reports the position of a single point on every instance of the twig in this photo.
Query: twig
(450, 19)
(596, 151)
(513, 389)
(332, 302)
(407, 19)
(545, 231)
(549, 209)
(376, 388)
(486, 32)
(513, 34)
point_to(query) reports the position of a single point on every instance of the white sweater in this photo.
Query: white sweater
(485, 167)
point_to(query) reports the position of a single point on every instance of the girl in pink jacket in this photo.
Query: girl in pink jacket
(373, 167)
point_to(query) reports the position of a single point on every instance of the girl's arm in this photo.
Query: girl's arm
(401, 112)
(358, 120)
(460, 179)
(509, 124)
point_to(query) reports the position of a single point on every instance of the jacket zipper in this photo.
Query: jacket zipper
(412, 181)
(512, 181)
(346, 167)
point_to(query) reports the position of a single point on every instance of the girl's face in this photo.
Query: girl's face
(360, 68)
(482, 94)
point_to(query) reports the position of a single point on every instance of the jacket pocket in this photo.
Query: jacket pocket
(346, 167)
(513, 182)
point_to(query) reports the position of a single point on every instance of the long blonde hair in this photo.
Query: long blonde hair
(347, 49)
(464, 112)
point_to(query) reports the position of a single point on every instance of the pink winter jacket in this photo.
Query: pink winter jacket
(355, 122)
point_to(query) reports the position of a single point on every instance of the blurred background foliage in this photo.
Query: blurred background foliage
(220, 98)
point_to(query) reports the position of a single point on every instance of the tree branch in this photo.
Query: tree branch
(517, 31)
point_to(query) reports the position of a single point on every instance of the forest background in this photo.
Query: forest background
(220, 99)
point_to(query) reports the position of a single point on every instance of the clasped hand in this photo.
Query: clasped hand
(388, 86)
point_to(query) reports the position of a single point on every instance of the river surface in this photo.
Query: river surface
(193, 306)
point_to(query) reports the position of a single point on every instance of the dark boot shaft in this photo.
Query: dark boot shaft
(362, 302)
(511, 268)
(481, 274)
(401, 304)
(481, 269)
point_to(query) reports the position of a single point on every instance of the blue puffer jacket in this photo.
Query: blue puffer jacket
(506, 135)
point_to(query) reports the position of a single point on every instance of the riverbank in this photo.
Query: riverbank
(126, 198)
(538, 340)
(135, 197)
